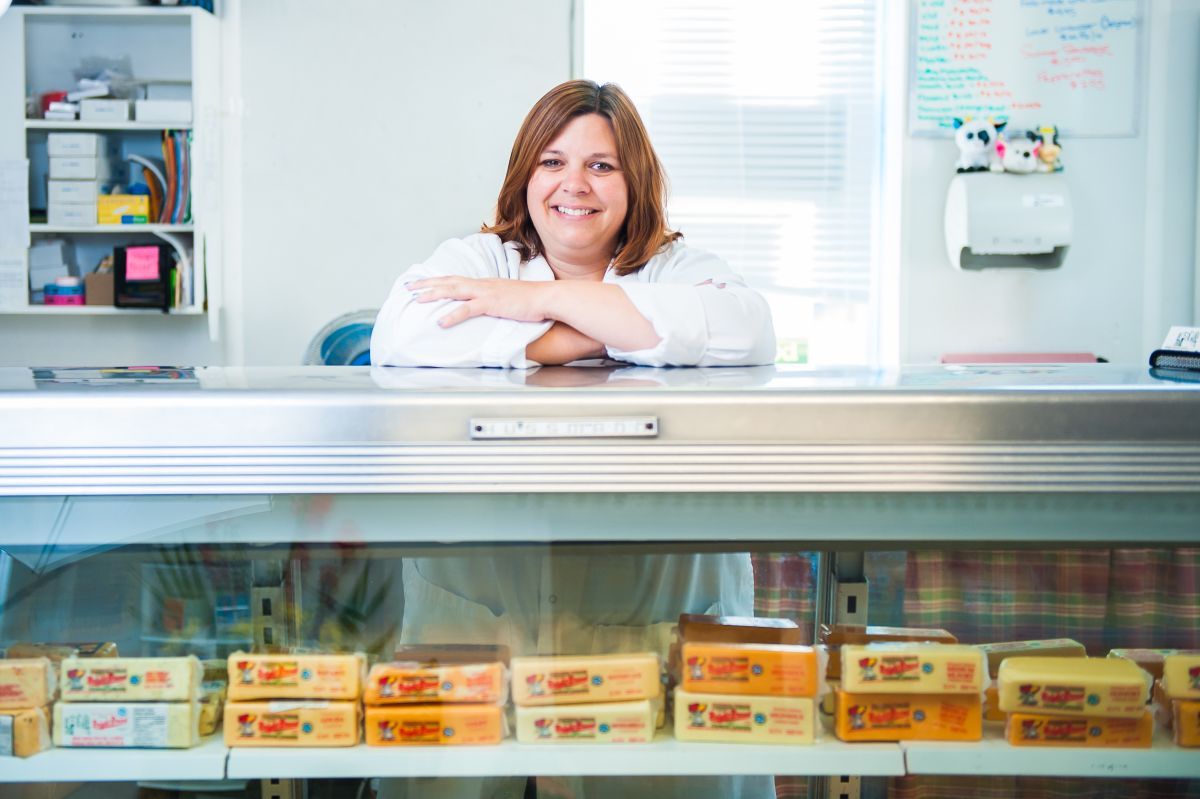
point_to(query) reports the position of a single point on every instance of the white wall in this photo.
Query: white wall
(1129, 273)
(371, 131)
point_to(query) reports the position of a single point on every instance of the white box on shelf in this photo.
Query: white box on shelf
(84, 167)
(75, 214)
(171, 111)
(75, 144)
(104, 110)
(50, 252)
(167, 90)
(71, 192)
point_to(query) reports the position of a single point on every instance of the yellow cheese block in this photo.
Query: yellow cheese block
(591, 678)
(174, 679)
(1073, 687)
(1186, 722)
(153, 725)
(1149, 659)
(294, 676)
(753, 719)
(599, 722)
(1033, 729)
(400, 682)
(759, 669)
(406, 725)
(56, 652)
(1046, 648)
(24, 732)
(917, 668)
(26, 683)
(1181, 676)
(908, 717)
(291, 723)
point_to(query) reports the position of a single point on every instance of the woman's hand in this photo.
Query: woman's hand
(520, 300)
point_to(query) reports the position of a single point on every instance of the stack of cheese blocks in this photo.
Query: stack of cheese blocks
(1077, 702)
(587, 699)
(293, 700)
(147, 702)
(437, 695)
(745, 679)
(27, 687)
(997, 653)
(910, 692)
(1176, 691)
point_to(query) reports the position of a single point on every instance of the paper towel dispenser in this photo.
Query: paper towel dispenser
(1008, 220)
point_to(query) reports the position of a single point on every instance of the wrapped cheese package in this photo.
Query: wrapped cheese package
(913, 668)
(127, 725)
(57, 652)
(757, 669)
(1034, 729)
(26, 683)
(1073, 687)
(738, 629)
(1046, 648)
(1150, 660)
(1181, 676)
(24, 732)
(279, 723)
(591, 678)
(908, 717)
(424, 681)
(754, 719)
(599, 722)
(402, 725)
(337, 677)
(1186, 723)
(835, 636)
(173, 679)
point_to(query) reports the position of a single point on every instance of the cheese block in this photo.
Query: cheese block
(26, 683)
(425, 681)
(174, 679)
(837, 635)
(758, 669)
(1035, 729)
(291, 723)
(406, 725)
(1162, 706)
(1186, 726)
(599, 722)
(908, 717)
(991, 704)
(443, 654)
(24, 732)
(1181, 676)
(738, 629)
(916, 668)
(210, 714)
(1149, 659)
(1049, 647)
(152, 725)
(753, 719)
(591, 678)
(56, 652)
(1073, 687)
(294, 676)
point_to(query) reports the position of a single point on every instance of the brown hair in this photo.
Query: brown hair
(645, 231)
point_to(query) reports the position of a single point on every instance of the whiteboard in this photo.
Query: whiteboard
(1071, 63)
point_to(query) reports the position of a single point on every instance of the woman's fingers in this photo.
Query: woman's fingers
(460, 314)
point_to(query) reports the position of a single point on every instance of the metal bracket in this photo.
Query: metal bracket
(843, 788)
(282, 789)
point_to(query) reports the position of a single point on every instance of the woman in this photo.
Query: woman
(580, 264)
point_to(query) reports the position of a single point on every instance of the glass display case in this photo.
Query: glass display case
(579, 511)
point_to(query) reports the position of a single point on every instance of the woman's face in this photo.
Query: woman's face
(576, 195)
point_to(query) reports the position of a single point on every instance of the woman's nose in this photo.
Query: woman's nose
(575, 181)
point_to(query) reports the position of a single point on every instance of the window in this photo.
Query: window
(768, 116)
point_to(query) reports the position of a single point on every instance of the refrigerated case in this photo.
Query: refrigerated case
(208, 510)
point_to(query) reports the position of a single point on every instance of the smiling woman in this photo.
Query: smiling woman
(580, 263)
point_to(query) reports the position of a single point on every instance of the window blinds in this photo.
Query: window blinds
(768, 117)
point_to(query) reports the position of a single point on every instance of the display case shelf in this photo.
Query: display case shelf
(98, 310)
(204, 762)
(41, 227)
(56, 124)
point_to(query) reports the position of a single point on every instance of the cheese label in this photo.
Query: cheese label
(434, 724)
(1026, 729)
(760, 719)
(26, 682)
(294, 676)
(1181, 676)
(611, 722)
(596, 678)
(6, 736)
(756, 669)
(913, 668)
(1073, 686)
(154, 725)
(291, 723)
(138, 679)
(908, 717)
(396, 683)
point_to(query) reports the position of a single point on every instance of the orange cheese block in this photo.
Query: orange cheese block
(26, 683)
(595, 723)
(1046, 648)
(407, 725)
(294, 676)
(913, 668)
(1073, 687)
(1181, 676)
(291, 723)
(411, 681)
(908, 717)
(836, 635)
(1033, 729)
(991, 704)
(738, 629)
(752, 719)
(24, 732)
(590, 678)
(758, 669)
(1186, 722)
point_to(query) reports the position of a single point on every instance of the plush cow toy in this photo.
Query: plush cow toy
(1021, 154)
(976, 140)
(1050, 153)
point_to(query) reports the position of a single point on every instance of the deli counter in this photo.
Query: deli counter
(171, 512)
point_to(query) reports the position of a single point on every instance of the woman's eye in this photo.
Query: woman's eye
(600, 166)
(550, 163)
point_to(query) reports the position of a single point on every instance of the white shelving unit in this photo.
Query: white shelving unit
(39, 49)
(204, 762)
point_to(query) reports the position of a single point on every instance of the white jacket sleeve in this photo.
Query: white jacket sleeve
(702, 310)
(406, 332)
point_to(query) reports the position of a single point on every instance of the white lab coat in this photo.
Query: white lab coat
(549, 603)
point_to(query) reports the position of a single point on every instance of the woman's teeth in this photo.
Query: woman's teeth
(575, 211)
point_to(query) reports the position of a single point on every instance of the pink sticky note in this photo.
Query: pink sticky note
(141, 263)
